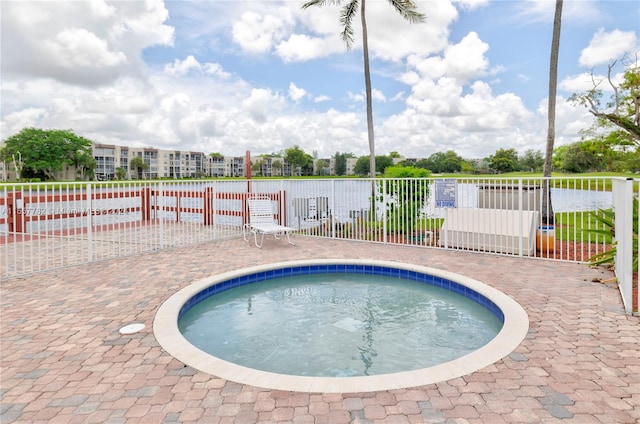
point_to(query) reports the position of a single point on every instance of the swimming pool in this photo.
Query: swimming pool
(512, 317)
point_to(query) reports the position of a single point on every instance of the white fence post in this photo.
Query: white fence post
(520, 218)
(89, 224)
(623, 208)
(159, 212)
(637, 257)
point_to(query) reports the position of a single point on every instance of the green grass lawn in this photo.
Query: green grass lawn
(578, 226)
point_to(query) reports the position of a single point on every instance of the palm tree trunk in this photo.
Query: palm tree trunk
(367, 86)
(547, 207)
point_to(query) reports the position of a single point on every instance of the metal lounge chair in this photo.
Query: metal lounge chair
(262, 221)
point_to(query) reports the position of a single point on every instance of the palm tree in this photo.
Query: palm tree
(257, 166)
(547, 207)
(137, 163)
(406, 8)
(276, 166)
(121, 173)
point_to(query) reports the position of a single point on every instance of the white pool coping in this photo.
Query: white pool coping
(513, 332)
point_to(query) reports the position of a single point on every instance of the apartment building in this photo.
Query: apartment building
(161, 163)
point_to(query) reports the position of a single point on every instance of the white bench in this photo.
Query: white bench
(493, 230)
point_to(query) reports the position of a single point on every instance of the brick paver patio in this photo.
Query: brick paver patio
(63, 359)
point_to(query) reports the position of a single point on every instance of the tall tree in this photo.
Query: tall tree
(531, 160)
(622, 110)
(547, 206)
(340, 167)
(276, 166)
(382, 163)
(84, 163)
(321, 166)
(256, 167)
(44, 153)
(297, 158)
(121, 173)
(137, 164)
(406, 8)
(361, 168)
(504, 160)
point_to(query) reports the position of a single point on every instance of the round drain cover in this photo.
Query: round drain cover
(131, 328)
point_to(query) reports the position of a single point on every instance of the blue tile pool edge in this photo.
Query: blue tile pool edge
(387, 271)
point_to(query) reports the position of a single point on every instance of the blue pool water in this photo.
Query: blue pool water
(339, 321)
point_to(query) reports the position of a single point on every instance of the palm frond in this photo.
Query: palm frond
(347, 14)
(607, 218)
(605, 257)
(407, 9)
(319, 3)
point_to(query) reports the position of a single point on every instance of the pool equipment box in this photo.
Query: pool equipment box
(492, 230)
(510, 197)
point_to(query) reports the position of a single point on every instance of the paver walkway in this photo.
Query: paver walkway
(63, 359)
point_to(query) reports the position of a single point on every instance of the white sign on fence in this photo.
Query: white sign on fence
(446, 193)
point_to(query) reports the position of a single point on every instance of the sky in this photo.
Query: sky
(263, 76)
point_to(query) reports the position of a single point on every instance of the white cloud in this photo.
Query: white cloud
(356, 97)
(262, 103)
(385, 27)
(182, 67)
(296, 93)
(570, 120)
(470, 4)
(579, 83)
(80, 43)
(393, 38)
(77, 47)
(209, 92)
(378, 95)
(301, 47)
(216, 69)
(462, 61)
(585, 82)
(524, 78)
(257, 33)
(535, 11)
(398, 96)
(466, 59)
(605, 47)
(158, 128)
(25, 118)
(127, 96)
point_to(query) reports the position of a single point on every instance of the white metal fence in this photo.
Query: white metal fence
(627, 222)
(51, 225)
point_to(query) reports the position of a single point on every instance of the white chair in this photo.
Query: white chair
(262, 221)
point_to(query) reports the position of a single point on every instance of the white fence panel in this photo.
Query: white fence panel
(49, 225)
(623, 208)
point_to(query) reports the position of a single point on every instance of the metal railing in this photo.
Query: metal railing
(49, 225)
(625, 207)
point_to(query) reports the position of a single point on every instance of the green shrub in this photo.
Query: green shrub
(405, 197)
